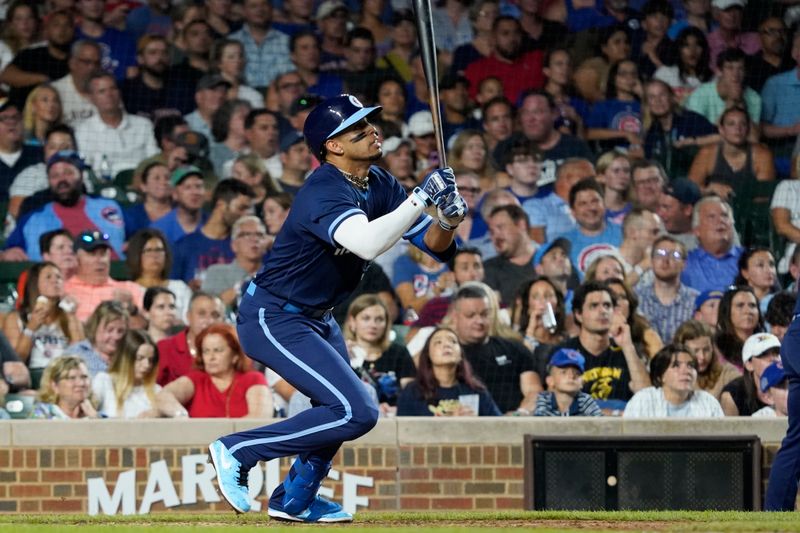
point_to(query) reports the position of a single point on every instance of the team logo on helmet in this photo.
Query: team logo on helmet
(354, 101)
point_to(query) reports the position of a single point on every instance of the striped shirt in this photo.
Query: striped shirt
(583, 405)
(267, 60)
(665, 319)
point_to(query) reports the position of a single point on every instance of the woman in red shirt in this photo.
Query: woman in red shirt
(221, 385)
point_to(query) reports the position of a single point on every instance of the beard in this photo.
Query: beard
(69, 197)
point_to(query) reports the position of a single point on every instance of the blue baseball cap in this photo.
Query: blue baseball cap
(773, 375)
(332, 117)
(542, 251)
(705, 296)
(567, 357)
(67, 156)
(290, 139)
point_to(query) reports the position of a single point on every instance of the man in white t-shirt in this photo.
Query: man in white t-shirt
(84, 58)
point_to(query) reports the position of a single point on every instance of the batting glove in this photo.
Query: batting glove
(452, 211)
(435, 187)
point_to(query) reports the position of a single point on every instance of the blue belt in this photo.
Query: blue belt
(289, 307)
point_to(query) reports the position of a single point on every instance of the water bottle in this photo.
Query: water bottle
(105, 170)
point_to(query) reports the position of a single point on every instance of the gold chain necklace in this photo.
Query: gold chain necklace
(360, 182)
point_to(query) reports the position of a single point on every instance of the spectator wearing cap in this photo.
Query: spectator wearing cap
(266, 48)
(296, 161)
(675, 207)
(550, 215)
(146, 93)
(674, 134)
(359, 73)
(30, 190)
(517, 70)
(742, 396)
(551, 260)
(420, 129)
(714, 263)
(673, 372)
(112, 134)
(729, 34)
(157, 202)
(305, 54)
(119, 47)
(197, 39)
(40, 64)
(92, 283)
(508, 227)
(666, 302)
(404, 44)
(151, 18)
(85, 57)
(211, 244)
(640, 228)
(188, 195)
(592, 232)
(564, 380)
(775, 386)
(398, 159)
(456, 114)
(211, 92)
(706, 307)
(300, 109)
(294, 16)
(70, 208)
(331, 18)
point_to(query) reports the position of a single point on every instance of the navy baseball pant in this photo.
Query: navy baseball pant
(785, 473)
(311, 355)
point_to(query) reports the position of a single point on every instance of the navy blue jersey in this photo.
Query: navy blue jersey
(306, 266)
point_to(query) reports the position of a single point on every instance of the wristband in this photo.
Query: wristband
(445, 226)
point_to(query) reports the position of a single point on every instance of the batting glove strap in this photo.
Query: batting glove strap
(437, 185)
(422, 197)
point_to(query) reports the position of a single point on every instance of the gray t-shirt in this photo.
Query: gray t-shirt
(220, 278)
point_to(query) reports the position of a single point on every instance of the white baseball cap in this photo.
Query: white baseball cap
(757, 344)
(391, 144)
(420, 123)
(725, 4)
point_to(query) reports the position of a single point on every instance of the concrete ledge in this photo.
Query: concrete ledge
(392, 431)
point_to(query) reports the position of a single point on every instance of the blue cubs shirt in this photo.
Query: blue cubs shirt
(306, 266)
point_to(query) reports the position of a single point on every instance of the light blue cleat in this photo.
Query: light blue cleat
(231, 477)
(320, 511)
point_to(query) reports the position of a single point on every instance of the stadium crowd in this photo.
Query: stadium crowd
(631, 169)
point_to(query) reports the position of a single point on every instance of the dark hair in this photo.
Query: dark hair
(658, 7)
(463, 250)
(282, 198)
(514, 212)
(46, 239)
(251, 117)
(588, 184)
(504, 18)
(359, 32)
(550, 52)
(136, 244)
(228, 190)
(468, 292)
(149, 167)
(165, 126)
(726, 340)
(61, 128)
(525, 312)
(640, 164)
(703, 68)
(611, 86)
(743, 265)
(607, 33)
(391, 78)
(150, 296)
(637, 322)
(97, 75)
(735, 109)
(781, 309)
(426, 380)
(519, 146)
(585, 289)
(664, 359)
(502, 100)
(217, 48)
(31, 292)
(299, 35)
(731, 55)
(221, 119)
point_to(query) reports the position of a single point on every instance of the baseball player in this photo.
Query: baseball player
(347, 213)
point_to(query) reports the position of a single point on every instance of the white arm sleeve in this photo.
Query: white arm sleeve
(370, 238)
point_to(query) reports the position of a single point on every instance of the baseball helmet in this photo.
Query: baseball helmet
(332, 117)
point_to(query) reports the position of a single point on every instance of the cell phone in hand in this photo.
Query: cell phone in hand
(549, 319)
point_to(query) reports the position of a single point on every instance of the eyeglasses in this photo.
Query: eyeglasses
(661, 253)
(251, 235)
(153, 250)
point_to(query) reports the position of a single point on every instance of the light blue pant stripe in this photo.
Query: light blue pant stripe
(327, 384)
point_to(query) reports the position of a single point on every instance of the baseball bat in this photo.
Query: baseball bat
(427, 48)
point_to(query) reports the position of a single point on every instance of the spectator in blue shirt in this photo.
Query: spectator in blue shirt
(714, 263)
(188, 194)
(266, 48)
(617, 120)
